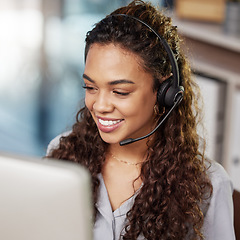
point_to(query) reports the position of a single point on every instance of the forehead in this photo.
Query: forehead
(112, 54)
(114, 62)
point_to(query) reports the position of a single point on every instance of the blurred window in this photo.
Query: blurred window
(41, 66)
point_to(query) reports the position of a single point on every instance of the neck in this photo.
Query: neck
(133, 153)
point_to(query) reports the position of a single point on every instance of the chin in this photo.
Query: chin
(112, 139)
(109, 140)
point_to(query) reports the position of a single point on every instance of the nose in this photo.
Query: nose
(103, 103)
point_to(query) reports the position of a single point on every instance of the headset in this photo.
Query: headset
(170, 93)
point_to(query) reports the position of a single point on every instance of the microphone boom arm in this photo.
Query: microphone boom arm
(132, 140)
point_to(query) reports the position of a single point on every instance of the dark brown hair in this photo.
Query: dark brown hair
(176, 186)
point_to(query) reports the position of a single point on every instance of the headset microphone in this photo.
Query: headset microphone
(132, 140)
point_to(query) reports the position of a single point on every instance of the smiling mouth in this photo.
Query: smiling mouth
(107, 123)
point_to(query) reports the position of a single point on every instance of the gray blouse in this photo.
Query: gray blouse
(218, 221)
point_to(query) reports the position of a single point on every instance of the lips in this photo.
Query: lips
(108, 125)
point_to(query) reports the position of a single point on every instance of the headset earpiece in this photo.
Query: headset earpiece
(165, 85)
(168, 94)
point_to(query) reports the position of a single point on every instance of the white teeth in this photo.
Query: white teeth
(108, 123)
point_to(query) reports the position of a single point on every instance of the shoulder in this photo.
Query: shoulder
(54, 143)
(218, 175)
(218, 223)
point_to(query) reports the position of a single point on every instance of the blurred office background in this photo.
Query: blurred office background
(42, 61)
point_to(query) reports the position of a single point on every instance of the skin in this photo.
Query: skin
(120, 98)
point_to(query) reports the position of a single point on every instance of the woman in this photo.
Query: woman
(160, 187)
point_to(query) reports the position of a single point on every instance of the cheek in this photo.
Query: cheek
(88, 102)
(139, 107)
(145, 107)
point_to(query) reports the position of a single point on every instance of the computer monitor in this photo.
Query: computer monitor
(44, 199)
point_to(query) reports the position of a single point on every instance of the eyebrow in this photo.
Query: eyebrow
(114, 82)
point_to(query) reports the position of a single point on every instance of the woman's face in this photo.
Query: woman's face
(119, 93)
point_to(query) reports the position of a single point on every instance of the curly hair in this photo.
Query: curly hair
(175, 182)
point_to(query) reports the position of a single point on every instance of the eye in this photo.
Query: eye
(90, 89)
(121, 93)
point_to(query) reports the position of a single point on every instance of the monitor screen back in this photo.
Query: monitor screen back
(44, 199)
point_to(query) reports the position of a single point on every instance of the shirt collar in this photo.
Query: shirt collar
(104, 206)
